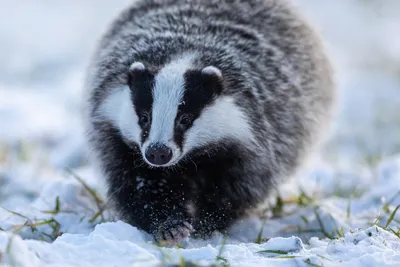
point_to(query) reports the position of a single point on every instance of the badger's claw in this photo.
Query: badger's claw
(173, 231)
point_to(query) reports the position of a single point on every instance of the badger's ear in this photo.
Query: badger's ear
(136, 69)
(212, 72)
(137, 66)
(138, 75)
(212, 77)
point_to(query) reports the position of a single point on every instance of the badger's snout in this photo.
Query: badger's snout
(158, 154)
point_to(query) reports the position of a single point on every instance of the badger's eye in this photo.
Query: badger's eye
(185, 120)
(144, 118)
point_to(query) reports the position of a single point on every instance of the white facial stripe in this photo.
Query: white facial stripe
(220, 120)
(118, 109)
(167, 95)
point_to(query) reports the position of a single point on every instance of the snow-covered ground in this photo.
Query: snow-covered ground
(340, 212)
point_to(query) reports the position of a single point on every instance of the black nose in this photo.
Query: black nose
(158, 154)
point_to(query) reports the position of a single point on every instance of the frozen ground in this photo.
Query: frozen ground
(341, 212)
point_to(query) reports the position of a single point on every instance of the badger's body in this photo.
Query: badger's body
(198, 108)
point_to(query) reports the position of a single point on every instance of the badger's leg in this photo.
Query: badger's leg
(226, 197)
(215, 212)
(173, 230)
(155, 206)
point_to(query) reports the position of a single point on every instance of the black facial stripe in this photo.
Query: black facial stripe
(200, 90)
(141, 83)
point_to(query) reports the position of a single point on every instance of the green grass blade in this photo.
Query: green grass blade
(392, 216)
(281, 252)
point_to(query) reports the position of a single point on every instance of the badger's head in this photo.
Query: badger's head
(173, 111)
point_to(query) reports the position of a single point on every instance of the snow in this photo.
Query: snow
(338, 212)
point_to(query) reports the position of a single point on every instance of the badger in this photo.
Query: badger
(198, 109)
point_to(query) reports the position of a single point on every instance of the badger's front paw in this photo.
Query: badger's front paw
(173, 231)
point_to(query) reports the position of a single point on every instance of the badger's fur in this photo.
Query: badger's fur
(198, 108)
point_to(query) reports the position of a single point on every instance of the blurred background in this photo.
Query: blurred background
(45, 46)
